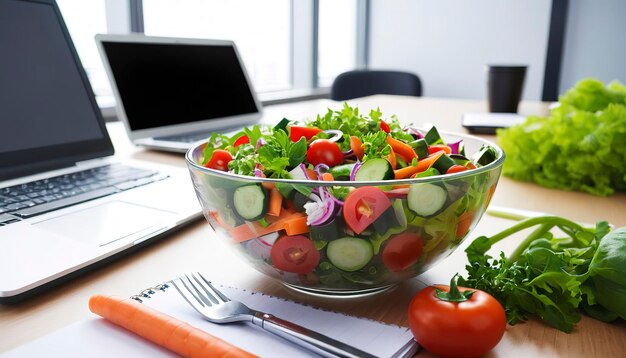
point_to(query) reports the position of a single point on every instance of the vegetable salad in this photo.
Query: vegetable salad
(327, 230)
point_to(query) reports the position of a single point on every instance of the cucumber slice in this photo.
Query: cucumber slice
(484, 156)
(250, 202)
(433, 137)
(443, 163)
(386, 220)
(341, 172)
(426, 199)
(327, 232)
(374, 170)
(349, 253)
(282, 125)
(459, 159)
(421, 148)
(398, 210)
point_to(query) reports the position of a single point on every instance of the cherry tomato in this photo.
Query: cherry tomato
(295, 254)
(357, 147)
(297, 132)
(469, 328)
(456, 169)
(219, 160)
(324, 151)
(402, 251)
(241, 140)
(363, 206)
(384, 126)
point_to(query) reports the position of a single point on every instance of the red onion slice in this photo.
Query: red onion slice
(455, 146)
(354, 170)
(321, 169)
(321, 209)
(336, 134)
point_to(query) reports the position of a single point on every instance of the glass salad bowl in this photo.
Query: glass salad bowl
(372, 234)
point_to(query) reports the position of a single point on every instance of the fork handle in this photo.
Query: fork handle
(307, 338)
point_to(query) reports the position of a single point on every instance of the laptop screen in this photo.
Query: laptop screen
(47, 108)
(163, 84)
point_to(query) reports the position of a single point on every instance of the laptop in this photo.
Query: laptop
(172, 92)
(67, 204)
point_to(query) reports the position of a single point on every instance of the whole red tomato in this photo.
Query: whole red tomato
(324, 151)
(457, 327)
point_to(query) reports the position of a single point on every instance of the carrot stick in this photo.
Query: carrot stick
(402, 149)
(292, 223)
(463, 225)
(357, 147)
(162, 329)
(276, 203)
(420, 167)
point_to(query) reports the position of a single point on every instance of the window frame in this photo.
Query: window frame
(126, 16)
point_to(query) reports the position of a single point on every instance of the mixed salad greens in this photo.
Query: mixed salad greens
(580, 146)
(326, 229)
(553, 276)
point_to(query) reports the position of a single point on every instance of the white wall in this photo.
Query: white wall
(448, 42)
(595, 42)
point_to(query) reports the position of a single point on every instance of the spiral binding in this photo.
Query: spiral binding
(148, 292)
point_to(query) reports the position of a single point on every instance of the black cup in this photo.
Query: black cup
(504, 87)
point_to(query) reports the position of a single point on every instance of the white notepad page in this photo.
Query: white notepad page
(98, 338)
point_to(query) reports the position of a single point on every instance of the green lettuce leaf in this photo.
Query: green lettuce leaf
(580, 146)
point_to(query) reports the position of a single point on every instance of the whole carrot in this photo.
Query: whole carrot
(162, 329)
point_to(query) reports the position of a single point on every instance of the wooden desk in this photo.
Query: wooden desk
(195, 248)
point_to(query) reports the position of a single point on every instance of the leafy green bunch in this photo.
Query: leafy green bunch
(580, 146)
(553, 277)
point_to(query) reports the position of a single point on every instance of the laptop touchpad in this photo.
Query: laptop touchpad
(103, 224)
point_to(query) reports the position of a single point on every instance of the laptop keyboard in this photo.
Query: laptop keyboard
(45, 195)
(185, 138)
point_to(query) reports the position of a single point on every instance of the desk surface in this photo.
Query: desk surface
(195, 249)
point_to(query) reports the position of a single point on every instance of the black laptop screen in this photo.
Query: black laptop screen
(48, 114)
(43, 100)
(168, 84)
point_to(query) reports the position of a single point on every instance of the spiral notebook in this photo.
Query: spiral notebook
(98, 338)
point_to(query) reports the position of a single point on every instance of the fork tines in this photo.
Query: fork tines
(195, 287)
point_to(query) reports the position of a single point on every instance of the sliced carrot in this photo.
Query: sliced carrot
(275, 204)
(312, 174)
(463, 225)
(357, 147)
(392, 158)
(328, 177)
(420, 167)
(216, 216)
(266, 185)
(437, 147)
(470, 165)
(162, 329)
(294, 223)
(402, 149)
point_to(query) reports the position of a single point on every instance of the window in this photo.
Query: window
(260, 29)
(85, 19)
(337, 39)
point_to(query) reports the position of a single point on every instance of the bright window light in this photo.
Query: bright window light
(85, 19)
(337, 39)
(260, 29)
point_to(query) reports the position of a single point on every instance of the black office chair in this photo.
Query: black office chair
(360, 83)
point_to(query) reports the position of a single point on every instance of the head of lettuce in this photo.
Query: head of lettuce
(580, 146)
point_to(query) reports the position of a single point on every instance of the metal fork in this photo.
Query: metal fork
(217, 308)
